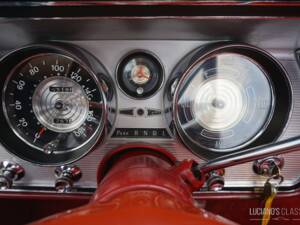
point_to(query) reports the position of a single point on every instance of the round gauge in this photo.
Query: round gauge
(227, 100)
(140, 75)
(53, 104)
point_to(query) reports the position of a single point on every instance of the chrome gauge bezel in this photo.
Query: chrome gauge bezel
(282, 106)
(20, 147)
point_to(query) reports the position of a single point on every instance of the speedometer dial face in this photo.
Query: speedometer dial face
(224, 103)
(53, 103)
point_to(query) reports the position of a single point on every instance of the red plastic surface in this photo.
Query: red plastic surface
(142, 189)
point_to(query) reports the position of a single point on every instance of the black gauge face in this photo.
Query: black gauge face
(140, 75)
(53, 104)
(224, 102)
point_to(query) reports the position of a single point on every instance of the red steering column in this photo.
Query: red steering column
(142, 186)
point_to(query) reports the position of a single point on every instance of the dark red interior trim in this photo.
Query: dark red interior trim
(170, 3)
(155, 9)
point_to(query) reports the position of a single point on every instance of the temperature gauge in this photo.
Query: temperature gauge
(140, 75)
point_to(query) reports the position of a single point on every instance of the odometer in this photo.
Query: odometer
(53, 103)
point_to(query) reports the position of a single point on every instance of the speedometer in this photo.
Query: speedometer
(54, 105)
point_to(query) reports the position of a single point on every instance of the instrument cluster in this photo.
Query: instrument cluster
(60, 102)
(65, 105)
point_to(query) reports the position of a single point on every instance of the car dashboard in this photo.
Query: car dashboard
(79, 84)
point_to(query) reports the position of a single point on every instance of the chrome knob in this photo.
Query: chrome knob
(66, 176)
(10, 172)
(215, 181)
(268, 166)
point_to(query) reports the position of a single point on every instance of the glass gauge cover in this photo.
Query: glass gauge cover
(224, 102)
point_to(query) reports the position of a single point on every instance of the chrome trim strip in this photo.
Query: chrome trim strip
(47, 190)
(87, 192)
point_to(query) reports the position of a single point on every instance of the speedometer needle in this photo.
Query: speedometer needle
(39, 134)
(42, 130)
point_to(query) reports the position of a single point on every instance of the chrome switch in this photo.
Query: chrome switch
(66, 176)
(10, 172)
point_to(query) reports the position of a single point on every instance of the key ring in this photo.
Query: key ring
(276, 177)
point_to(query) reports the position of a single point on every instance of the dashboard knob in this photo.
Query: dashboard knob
(269, 166)
(215, 180)
(66, 176)
(10, 172)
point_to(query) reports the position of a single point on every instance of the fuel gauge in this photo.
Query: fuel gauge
(140, 75)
